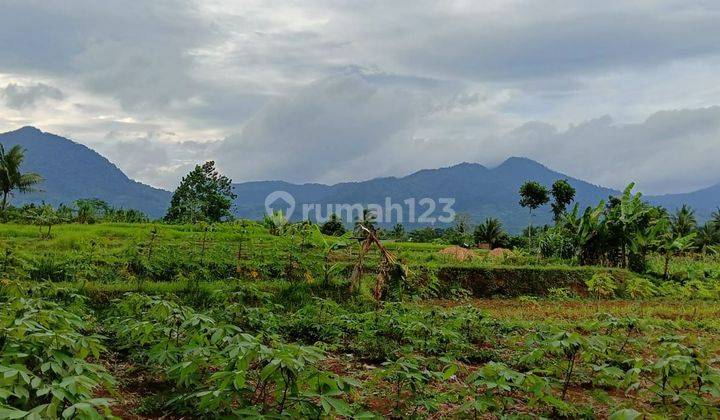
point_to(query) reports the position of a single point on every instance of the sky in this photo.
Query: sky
(331, 91)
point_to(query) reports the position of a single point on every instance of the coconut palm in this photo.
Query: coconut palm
(715, 217)
(684, 221)
(490, 232)
(708, 235)
(10, 176)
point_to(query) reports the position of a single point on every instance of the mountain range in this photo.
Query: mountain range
(74, 171)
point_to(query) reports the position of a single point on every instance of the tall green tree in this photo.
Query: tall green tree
(334, 226)
(203, 195)
(563, 194)
(626, 215)
(532, 196)
(11, 178)
(398, 232)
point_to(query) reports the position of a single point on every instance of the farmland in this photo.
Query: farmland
(145, 320)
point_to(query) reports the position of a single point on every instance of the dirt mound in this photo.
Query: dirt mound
(500, 253)
(459, 253)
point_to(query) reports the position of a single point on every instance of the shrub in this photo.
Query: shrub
(48, 268)
(602, 285)
(639, 288)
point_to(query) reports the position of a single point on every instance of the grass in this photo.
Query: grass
(169, 315)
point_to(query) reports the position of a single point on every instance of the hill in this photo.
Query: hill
(73, 171)
(478, 192)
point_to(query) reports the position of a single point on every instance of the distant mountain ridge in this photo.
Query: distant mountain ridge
(73, 171)
(478, 191)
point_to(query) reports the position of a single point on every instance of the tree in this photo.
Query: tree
(626, 216)
(490, 232)
(333, 227)
(203, 195)
(366, 220)
(46, 216)
(398, 232)
(669, 244)
(424, 235)
(532, 196)
(684, 221)
(715, 217)
(10, 176)
(90, 210)
(563, 194)
(708, 235)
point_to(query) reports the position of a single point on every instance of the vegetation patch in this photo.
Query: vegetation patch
(521, 281)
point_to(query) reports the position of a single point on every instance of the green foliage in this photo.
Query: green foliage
(563, 194)
(248, 377)
(333, 227)
(44, 364)
(11, 178)
(639, 288)
(228, 320)
(533, 195)
(602, 285)
(490, 232)
(203, 195)
(683, 221)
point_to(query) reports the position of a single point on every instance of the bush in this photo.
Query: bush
(512, 281)
(48, 268)
(602, 285)
(639, 288)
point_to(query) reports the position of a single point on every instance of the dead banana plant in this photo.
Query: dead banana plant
(388, 264)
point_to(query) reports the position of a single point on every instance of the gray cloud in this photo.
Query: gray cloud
(19, 97)
(328, 126)
(327, 91)
(355, 127)
(671, 151)
(150, 157)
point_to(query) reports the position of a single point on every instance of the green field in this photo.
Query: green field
(146, 320)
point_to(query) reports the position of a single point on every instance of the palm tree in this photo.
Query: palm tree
(10, 176)
(715, 217)
(708, 235)
(684, 221)
(490, 232)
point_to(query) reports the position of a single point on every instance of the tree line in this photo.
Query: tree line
(620, 231)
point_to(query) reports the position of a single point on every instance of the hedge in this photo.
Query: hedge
(513, 281)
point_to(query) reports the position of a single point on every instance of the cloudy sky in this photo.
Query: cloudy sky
(329, 91)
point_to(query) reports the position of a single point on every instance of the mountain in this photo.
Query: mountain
(703, 201)
(478, 191)
(73, 171)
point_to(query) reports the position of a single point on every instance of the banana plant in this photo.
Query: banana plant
(328, 247)
(668, 245)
